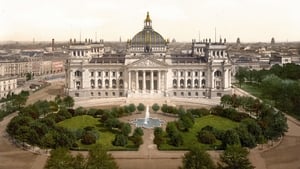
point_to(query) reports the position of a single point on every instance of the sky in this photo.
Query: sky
(183, 20)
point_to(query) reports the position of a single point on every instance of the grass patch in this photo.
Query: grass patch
(105, 136)
(253, 89)
(190, 138)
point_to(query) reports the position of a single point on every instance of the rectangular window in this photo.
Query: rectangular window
(121, 74)
(196, 73)
(203, 73)
(175, 73)
(114, 74)
(181, 73)
(92, 74)
(106, 73)
(99, 74)
(189, 73)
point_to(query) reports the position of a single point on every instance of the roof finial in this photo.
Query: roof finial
(148, 17)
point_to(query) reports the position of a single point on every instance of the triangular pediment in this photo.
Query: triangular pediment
(148, 62)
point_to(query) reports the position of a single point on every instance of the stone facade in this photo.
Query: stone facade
(7, 85)
(148, 69)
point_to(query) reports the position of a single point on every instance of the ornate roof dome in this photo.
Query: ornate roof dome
(148, 40)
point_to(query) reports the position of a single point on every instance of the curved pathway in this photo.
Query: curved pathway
(13, 157)
(284, 155)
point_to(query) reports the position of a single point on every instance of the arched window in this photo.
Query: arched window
(203, 83)
(182, 83)
(218, 73)
(78, 73)
(92, 83)
(114, 83)
(121, 83)
(189, 83)
(99, 83)
(196, 83)
(107, 83)
(175, 83)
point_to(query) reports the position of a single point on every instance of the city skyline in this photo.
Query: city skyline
(251, 21)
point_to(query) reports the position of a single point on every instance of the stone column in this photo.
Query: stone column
(151, 81)
(136, 80)
(165, 82)
(178, 79)
(110, 79)
(144, 80)
(158, 81)
(71, 79)
(193, 85)
(102, 79)
(129, 80)
(213, 79)
(185, 79)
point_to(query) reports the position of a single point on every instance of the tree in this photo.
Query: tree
(241, 75)
(141, 107)
(19, 100)
(176, 139)
(155, 107)
(185, 122)
(138, 132)
(137, 140)
(60, 158)
(68, 101)
(197, 159)
(235, 157)
(126, 129)
(206, 137)
(99, 159)
(171, 128)
(226, 100)
(230, 137)
(158, 136)
(120, 140)
(131, 108)
(88, 137)
(164, 108)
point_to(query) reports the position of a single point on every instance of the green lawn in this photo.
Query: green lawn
(252, 88)
(256, 91)
(105, 136)
(79, 122)
(190, 137)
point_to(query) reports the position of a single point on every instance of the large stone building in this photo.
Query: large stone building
(8, 85)
(148, 69)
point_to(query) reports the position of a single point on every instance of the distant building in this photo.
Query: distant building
(238, 41)
(148, 68)
(272, 41)
(7, 85)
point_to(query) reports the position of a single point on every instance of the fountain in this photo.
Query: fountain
(147, 122)
(147, 115)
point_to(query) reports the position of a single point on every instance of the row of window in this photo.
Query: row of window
(103, 94)
(190, 94)
(189, 83)
(93, 74)
(120, 94)
(106, 83)
(189, 74)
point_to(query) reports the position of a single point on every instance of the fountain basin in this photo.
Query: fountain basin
(148, 122)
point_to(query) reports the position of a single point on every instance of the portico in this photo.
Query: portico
(146, 81)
